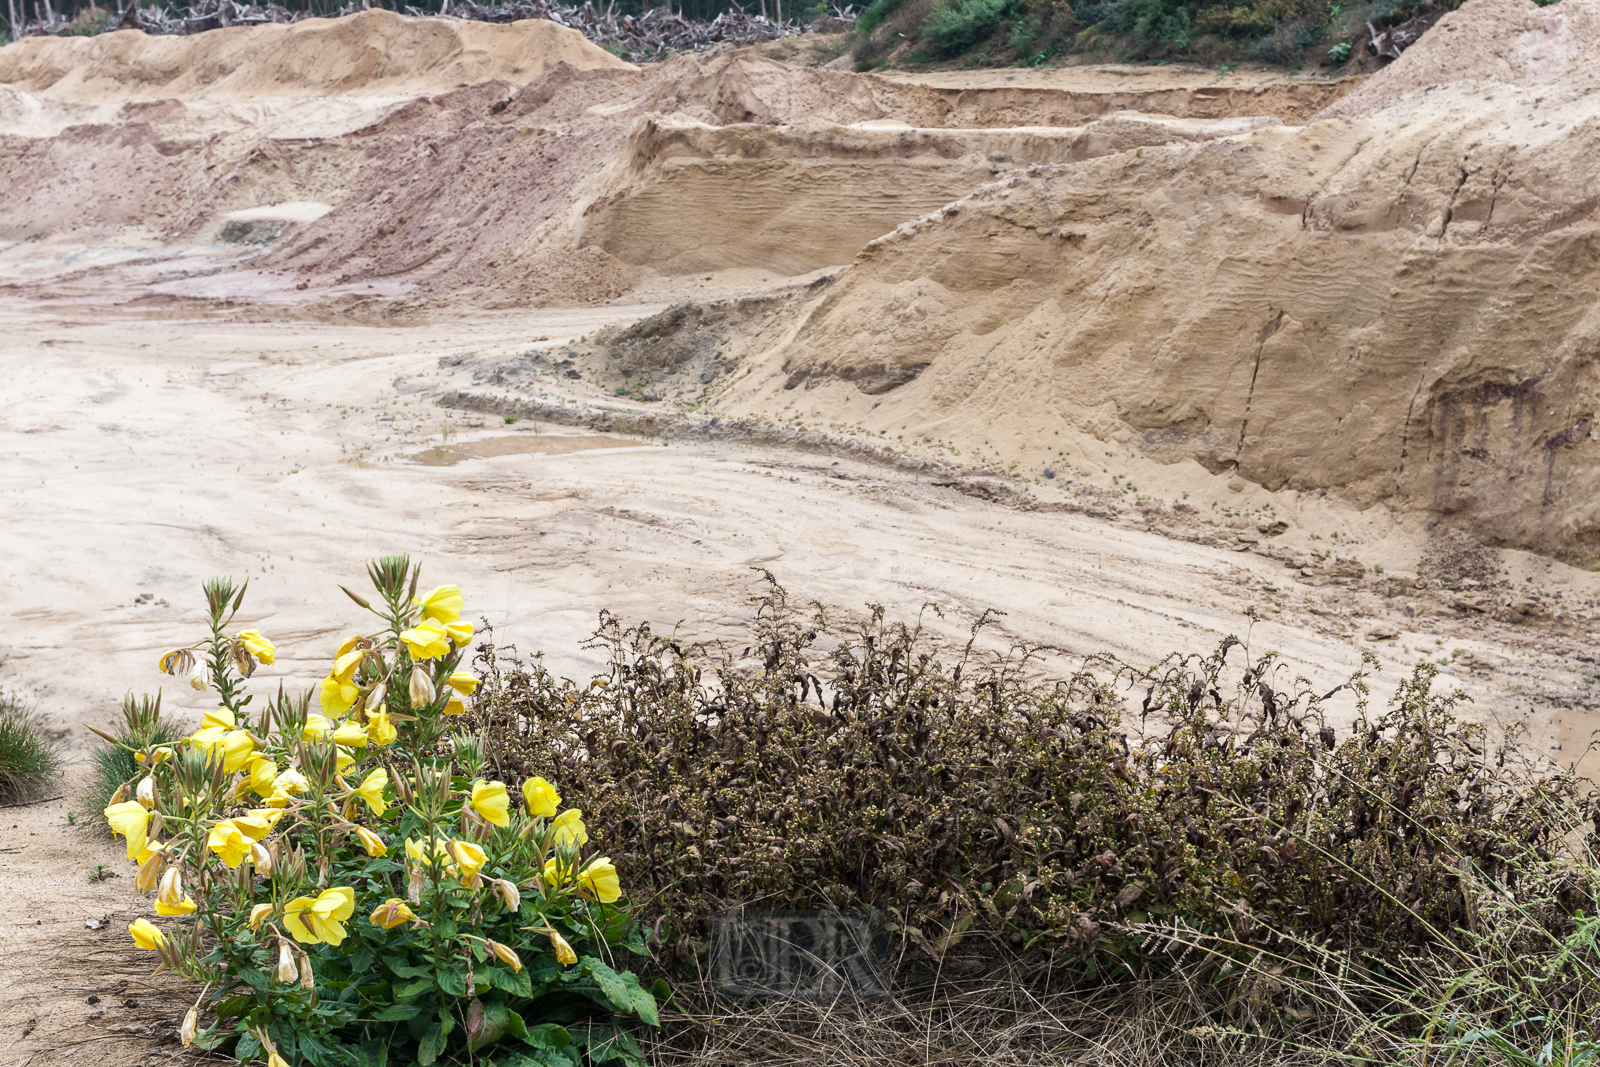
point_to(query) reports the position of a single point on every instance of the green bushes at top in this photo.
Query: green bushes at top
(957, 25)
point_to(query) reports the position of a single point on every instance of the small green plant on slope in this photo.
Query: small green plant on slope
(382, 901)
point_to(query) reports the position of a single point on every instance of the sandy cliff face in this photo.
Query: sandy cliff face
(1401, 307)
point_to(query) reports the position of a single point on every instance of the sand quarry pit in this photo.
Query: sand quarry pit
(1129, 354)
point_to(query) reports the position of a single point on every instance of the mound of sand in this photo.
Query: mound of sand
(1514, 42)
(374, 52)
(1404, 309)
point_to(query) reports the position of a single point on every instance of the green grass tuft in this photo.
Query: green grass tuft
(113, 766)
(29, 758)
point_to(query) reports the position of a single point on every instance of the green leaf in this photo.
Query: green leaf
(414, 988)
(432, 1044)
(412, 970)
(517, 983)
(399, 1013)
(453, 980)
(622, 990)
(498, 1021)
(550, 1036)
(254, 979)
(234, 1007)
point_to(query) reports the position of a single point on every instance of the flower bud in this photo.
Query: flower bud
(504, 954)
(422, 691)
(402, 789)
(287, 971)
(171, 892)
(308, 981)
(146, 793)
(258, 915)
(191, 1023)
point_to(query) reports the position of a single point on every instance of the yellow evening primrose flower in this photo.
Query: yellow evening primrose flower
(185, 907)
(428, 640)
(350, 735)
(310, 920)
(233, 747)
(443, 604)
(380, 731)
(555, 872)
(371, 790)
(263, 772)
(316, 727)
(455, 705)
(258, 915)
(218, 717)
(275, 1060)
(290, 781)
(229, 842)
(463, 682)
(599, 876)
(489, 799)
(150, 848)
(469, 858)
(460, 632)
(345, 759)
(336, 697)
(371, 842)
(392, 913)
(257, 824)
(131, 820)
(504, 954)
(147, 935)
(418, 850)
(567, 829)
(543, 800)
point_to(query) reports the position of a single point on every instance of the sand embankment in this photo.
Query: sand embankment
(374, 52)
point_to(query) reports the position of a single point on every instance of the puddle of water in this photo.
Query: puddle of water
(528, 444)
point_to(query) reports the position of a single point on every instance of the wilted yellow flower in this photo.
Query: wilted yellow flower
(392, 913)
(191, 1024)
(316, 727)
(371, 790)
(460, 632)
(599, 877)
(310, 920)
(171, 892)
(258, 915)
(422, 690)
(428, 640)
(275, 1060)
(350, 735)
(145, 794)
(371, 842)
(258, 646)
(463, 682)
(147, 935)
(287, 972)
(443, 604)
(504, 954)
(509, 893)
(151, 847)
(262, 773)
(567, 829)
(149, 870)
(229, 842)
(308, 982)
(542, 798)
(220, 718)
(131, 820)
(380, 731)
(175, 660)
(186, 906)
(469, 858)
(261, 858)
(564, 954)
(377, 697)
(197, 678)
(489, 799)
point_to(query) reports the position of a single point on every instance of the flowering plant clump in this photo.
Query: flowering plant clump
(345, 882)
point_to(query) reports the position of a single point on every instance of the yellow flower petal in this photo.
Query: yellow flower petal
(599, 877)
(371, 790)
(427, 640)
(567, 829)
(131, 820)
(443, 604)
(463, 682)
(147, 935)
(258, 646)
(490, 800)
(542, 798)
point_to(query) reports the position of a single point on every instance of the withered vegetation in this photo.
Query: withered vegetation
(1200, 825)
